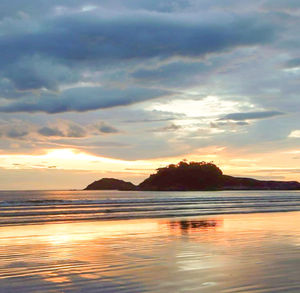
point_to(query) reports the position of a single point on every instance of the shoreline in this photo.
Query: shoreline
(134, 218)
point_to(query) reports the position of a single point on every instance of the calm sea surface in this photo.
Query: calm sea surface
(110, 242)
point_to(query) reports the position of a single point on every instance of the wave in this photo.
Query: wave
(46, 202)
(142, 205)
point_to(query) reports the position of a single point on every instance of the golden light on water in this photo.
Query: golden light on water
(205, 251)
(60, 234)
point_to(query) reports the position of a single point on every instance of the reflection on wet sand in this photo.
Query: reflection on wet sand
(188, 226)
(232, 253)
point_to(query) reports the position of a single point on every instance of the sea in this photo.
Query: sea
(27, 207)
(149, 242)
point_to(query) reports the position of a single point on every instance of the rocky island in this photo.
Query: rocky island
(110, 184)
(192, 176)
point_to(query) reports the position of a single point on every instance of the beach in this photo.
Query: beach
(149, 146)
(241, 252)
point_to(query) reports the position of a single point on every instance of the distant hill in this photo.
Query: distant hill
(193, 176)
(110, 184)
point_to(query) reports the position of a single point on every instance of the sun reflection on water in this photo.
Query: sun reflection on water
(155, 255)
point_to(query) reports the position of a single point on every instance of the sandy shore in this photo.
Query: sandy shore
(231, 253)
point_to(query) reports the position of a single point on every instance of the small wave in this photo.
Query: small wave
(91, 206)
(172, 200)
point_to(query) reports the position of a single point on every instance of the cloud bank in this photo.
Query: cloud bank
(146, 79)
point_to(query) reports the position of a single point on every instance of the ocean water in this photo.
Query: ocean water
(27, 207)
(110, 242)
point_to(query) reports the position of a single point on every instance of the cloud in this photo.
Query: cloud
(50, 131)
(37, 8)
(46, 61)
(46, 54)
(241, 123)
(83, 99)
(149, 120)
(70, 129)
(66, 65)
(83, 37)
(14, 129)
(76, 131)
(175, 74)
(295, 134)
(251, 115)
(16, 133)
(293, 63)
(169, 128)
(282, 6)
(228, 124)
(36, 72)
(64, 129)
(103, 127)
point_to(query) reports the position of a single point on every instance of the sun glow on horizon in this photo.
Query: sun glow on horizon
(66, 159)
(70, 153)
(260, 166)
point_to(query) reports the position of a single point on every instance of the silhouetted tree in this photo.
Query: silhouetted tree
(185, 176)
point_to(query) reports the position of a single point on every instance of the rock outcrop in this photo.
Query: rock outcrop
(110, 184)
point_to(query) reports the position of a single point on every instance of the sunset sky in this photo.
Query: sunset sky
(117, 88)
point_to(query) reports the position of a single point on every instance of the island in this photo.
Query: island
(110, 184)
(192, 176)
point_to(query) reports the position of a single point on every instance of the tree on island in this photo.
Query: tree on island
(185, 176)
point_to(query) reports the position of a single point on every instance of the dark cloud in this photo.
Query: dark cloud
(14, 129)
(88, 37)
(16, 133)
(173, 69)
(251, 115)
(46, 55)
(242, 123)
(175, 74)
(103, 127)
(67, 129)
(293, 63)
(8, 90)
(36, 72)
(82, 99)
(50, 131)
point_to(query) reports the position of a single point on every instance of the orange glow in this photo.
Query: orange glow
(58, 234)
(238, 163)
(152, 249)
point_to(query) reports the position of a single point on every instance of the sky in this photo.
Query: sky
(118, 88)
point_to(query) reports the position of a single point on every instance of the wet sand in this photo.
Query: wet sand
(230, 253)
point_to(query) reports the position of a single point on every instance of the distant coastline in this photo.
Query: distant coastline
(193, 176)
